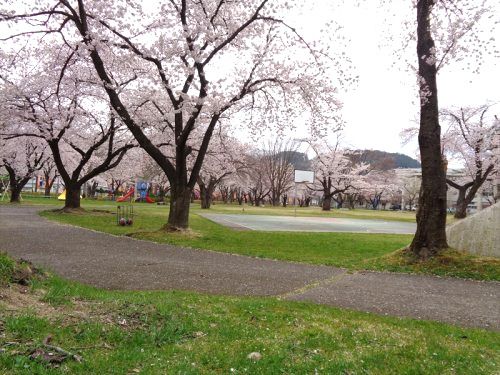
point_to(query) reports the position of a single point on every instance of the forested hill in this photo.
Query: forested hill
(382, 160)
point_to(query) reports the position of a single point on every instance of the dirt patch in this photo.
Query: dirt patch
(158, 236)
(66, 210)
(16, 298)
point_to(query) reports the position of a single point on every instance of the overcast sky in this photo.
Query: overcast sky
(384, 101)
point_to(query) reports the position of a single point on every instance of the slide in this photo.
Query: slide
(126, 196)
(149, 199)
(62, 196)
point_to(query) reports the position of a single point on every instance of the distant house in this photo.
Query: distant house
(484, 198)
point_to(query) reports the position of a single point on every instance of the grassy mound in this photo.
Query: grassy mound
(19, 272)
(451, 263)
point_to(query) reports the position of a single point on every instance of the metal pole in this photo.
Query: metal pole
(295, 200)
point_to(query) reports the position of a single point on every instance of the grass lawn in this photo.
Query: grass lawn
(250, 210)
(350, 250)
(188, 333)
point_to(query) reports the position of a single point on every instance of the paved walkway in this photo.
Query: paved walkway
(123, 263)
(310, 224)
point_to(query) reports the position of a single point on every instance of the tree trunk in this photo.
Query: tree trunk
(327, 203)
(16, 185)
(461, 209)
(430, 237)
(48, 187)
(180, 199)
(15, 194)
(205, 196)
(72, 197)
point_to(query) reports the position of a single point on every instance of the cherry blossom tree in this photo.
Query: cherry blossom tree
(470, 141)
(135, 164)
(410, 187)
(379, 188)
(194, 64)
(279, 170)
(50, 175)
(223, 160)
(257, 183)
(238, 183)
(335, 172)
(354, 196)
(84, 137)
(446, 31)
(22, 158)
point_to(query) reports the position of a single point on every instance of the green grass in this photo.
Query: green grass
(247, 209)
(356, 251)
(7, 267)
(188, 333)
(449, 263)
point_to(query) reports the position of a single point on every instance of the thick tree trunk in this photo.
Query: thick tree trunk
(15, 194)
(72, 197)
(468, 191)
(16, 185)
(48, 187)
(49, 182)
(205, 196)
(430, 236)
(461, 209)
(327, 203)
(276, 200)
(180, 199)
(207, 192)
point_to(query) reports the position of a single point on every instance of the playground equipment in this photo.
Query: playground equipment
(149, 199)
(143, 191)
(124, 215)
(129, 194)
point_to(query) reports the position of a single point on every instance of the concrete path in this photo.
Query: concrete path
(123, 263)
(310, 224)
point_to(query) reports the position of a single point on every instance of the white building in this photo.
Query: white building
(484, 198)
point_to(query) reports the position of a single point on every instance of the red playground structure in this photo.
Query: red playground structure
(130, 194)
(149, 199)
(127, 196)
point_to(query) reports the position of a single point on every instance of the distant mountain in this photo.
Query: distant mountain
(380, 160)
(384, 161)
(299, 160)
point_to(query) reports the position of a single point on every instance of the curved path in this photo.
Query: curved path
(113, 262)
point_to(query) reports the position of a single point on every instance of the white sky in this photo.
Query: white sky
(385, 99)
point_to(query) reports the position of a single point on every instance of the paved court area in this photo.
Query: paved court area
(119, 262)
(310, 224)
